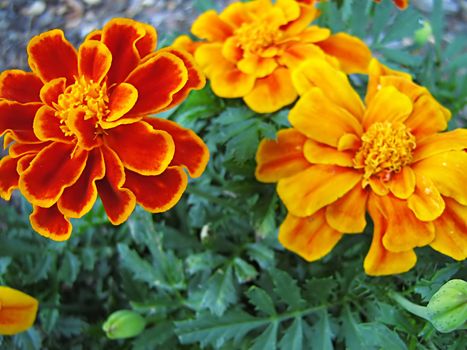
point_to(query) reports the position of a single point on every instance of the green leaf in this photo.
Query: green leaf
(154, 336)
(268, 339)
(263, 255)
(381, 337)
(4, 263)
(244, 271)
(69, 327)
(293, 336)
(206, 261)
(220, 291)
(354, 338)
(261, 300)
(404, 25)
(322, 333)
(28, 340)
(69, 268)
(287, 289)
(427, 288)
(49, 318)
(140, 268)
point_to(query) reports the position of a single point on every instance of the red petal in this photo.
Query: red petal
(157, 80)
(50, 223)
(94, 35)
(8, 177)
(20, 86)
(118, 202)
(157, 193)
(19, 149)
(141, 148)
(84, 130)
(52, 170)
(52, 56)
(79, 198)
(47, 126)
(24, 162)
(52, 90)
(17, 119)
(190, 151)
(148, 42)
(94, 60)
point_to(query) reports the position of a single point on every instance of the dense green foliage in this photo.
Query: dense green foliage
(211, 273)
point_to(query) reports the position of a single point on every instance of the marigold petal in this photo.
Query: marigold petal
(84, 130)
(190, 150)
(310, 237)
(380, 261)
(277, 159)
(184, 42)
(272, 92)
(17, 312)
(307, 15)
(426, 118)
(312, 189)
(118, 202)
(257, 66)
(94, 35)
(52, 90)
(50, 223)
(333, 83)
(451, 231)
(230, 82)
(294, 55)
(347, 214)
(20, 86)
(426, 203)
(235, 14)
(148, 42)
(157, 80)
(402, 184)
(403, 230)
(17, 120)
(47, 126)
(8, 177)
(455, 140)
(314, 34)
(141, 148)
(378, 186)
(353, 54)
(211, 60)
(54, 168)
(307, 117)
(52, 56)
(19, 149)
(447, 171)
(319, 153)
(122, 99)
(211, 27)
(79, 198)
(94, 60)
(388, 105)
(23, 163)
(231, 50)
(349, 141)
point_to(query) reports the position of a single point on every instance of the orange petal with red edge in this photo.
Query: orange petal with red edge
(190, 151)
(455, 140)
(310, 237)
(319, 153)
(210, 27)
(157, 80)
(53, 169)
(50, 223)
(18, 311)
(52, 56)
(47, 126)
(17, 119)
(271, 93)
(20, 86)
(94, 60)
(122, 99)
(79, 198)
(52, 90)
(347, 214)
(281, 158)
(312, 189)
(379, 261)
(118, 202)
(426, 202)
(8, 177)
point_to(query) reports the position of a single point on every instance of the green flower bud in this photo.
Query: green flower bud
(123, 324)
(447, 309)
(424, 34)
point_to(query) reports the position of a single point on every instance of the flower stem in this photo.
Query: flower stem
(416, 309)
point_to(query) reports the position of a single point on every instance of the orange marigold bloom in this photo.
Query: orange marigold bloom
(402, 4)
(17, 311)
(343, 158)
(250, 49)
(77, 126)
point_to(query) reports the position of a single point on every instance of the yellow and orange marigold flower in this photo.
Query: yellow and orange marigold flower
(402, 4)
(77, 126)
(17, 311)
(343, 158)
(250, 49)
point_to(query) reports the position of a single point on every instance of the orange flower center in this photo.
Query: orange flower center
(386, 148)
(258, 35)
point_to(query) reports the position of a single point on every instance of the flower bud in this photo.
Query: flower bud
(123, 324)
(447, 309)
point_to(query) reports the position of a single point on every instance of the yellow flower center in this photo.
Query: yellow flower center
(386, 148)
(258, 35)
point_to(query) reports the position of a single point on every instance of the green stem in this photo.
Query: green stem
(418, 310)
(197, 192)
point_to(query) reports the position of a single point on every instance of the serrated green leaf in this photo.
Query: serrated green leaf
(69, 268)
(69, 327)
(206, 261)
(28, 340)
(140, 268)
(381, 337)
(261, 300)
(4, 262)
(322, 332)
(220, 291)
(263, 255)
(267, 339)
(49, 318)
(287, 289)
(354, 338)
(293, 336)
(154, 336)
(426, 288)
(244, 271)
(404, 25)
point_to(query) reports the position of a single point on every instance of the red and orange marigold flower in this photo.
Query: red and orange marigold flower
(343, 158)
(250, 49)
(77, 126)
(402, 4)
(17, 311)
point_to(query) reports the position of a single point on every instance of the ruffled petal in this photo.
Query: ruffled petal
(257, 66)
(50, 223)
(455, 140)
(380, 261)
(148, 42)
(118, 202)
(18, 311)
(211, 60)
(210, 27)
(314, 34)
(347, 214)
(403, 230)
(52, 170)
(272, 92)
(307, 15)
(448, 173)
(48, 127)
(295, 54)
(333, 83)
(353, 54)
(310, 237)
(451, 231)
(157, 80)
(312, 189)
(232, 51)
(141, 148)
(184, 42)
(426, 203)
(158, 193)
(277, 159)
(319, 153)
(94, 60)
(79, 198)
(20, 149)
(402, 184)
(122, 99)
(52, 56)
(317, 117)
(84, 130)
(8, 177)
(17, 119)
(23, 163)
(16, 85)
(235, 15)
(229, 82)
(52, 90)
(190, 150)
(427, 117)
